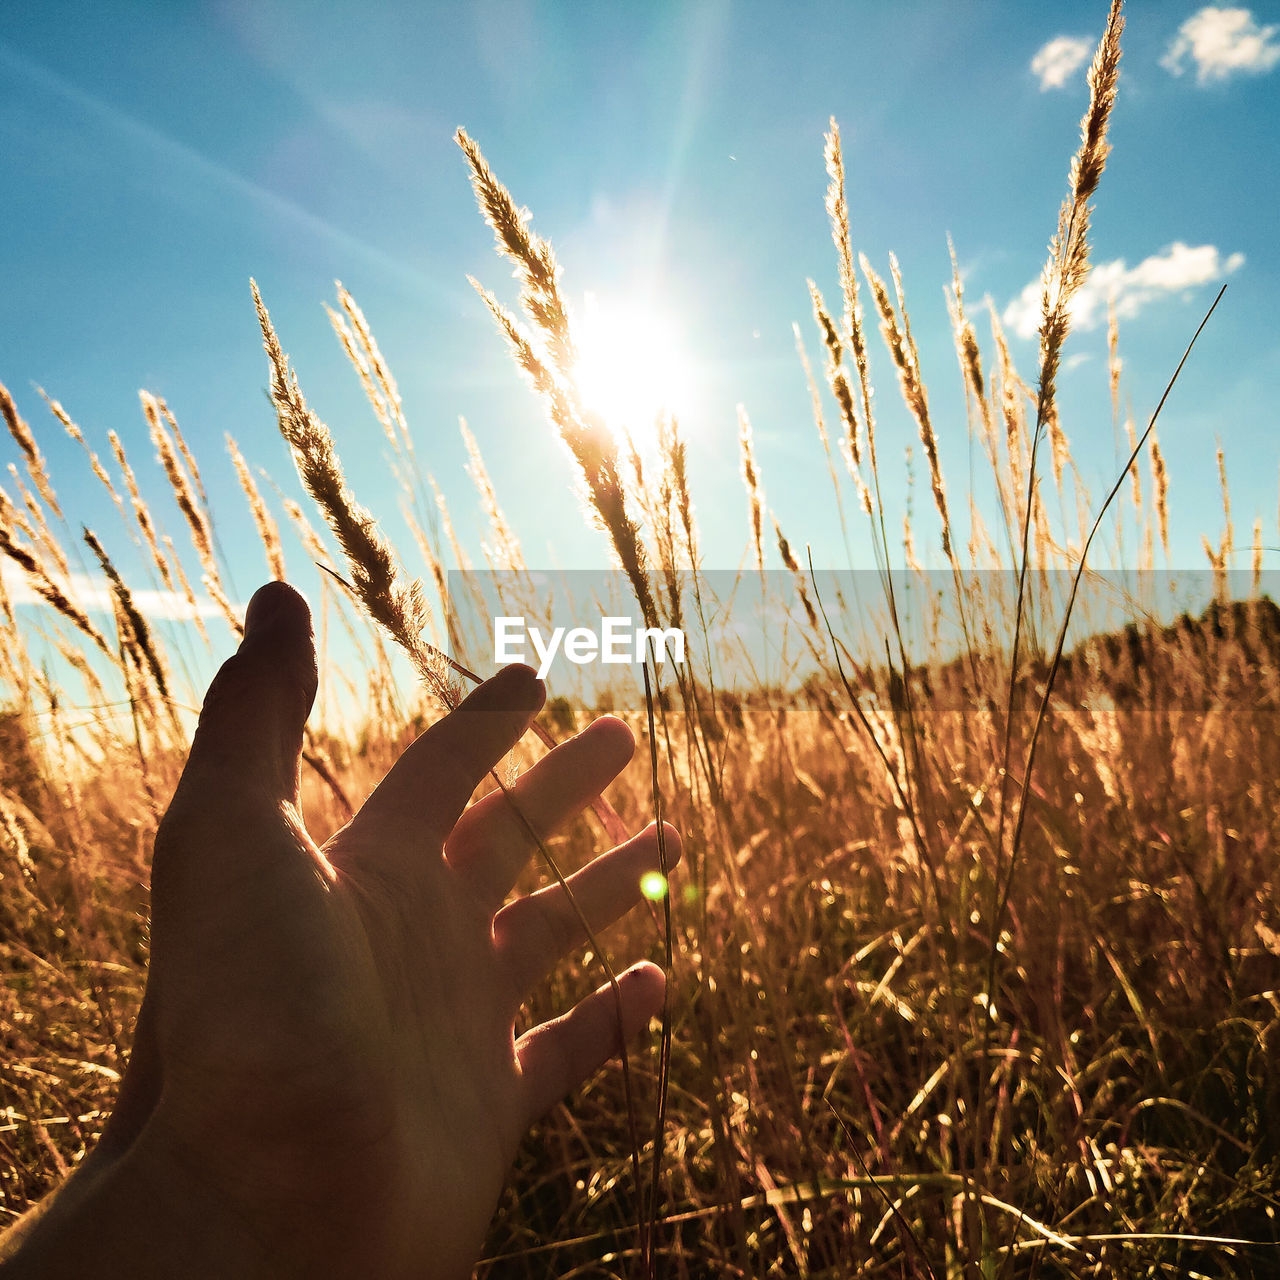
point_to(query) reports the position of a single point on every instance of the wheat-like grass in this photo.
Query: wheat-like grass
(263, 521)
(1115, 365)
(319, 553)
(95, 689)
(39, 526)
(838, 215)
(141, 643)
(1068, 263)
(359, 359)
(77, 435)
(895, 327)
(1228, 528)
(506, 553)
(48, 590)
(214, 590)
(185, 492)
(187, 456)
(848, 443)
(180, 575)
(16, 837)
(141, 512)
(384, 385)
(13, 653)
(438, 576)
(1059, 446)
(675, 462)
(751, 482)
(968, 350)
(837, 376)
(1135, 476)
(797, 574)
(815, 403)
(589, 439)
(399, 606)
(533, 258)
(26, 442)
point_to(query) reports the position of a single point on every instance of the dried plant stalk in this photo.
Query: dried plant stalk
(142, 641)
(376, 577)
(141, 513)
(187, 456)
(506, 545)
(184, 488)
(589, 440)
(895, 327)
(78, 436)
(50, 592)
(751, 482)
(1068, 263)
(263, 521)
(31, 454)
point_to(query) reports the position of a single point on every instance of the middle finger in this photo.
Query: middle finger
(490, 844)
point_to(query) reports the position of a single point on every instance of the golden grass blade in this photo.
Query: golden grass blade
(77, 435)
(50, 592)
(535, 263)
(895, 327)
(1160, 478)
(377, 580)
(26, 442)
(263, 521)
(39, 525)
(142, 640)
(185, 491)
(751, 482)
(507, 555)
(187, 593)
(590, 441)
(1068, 264)
(141, 513)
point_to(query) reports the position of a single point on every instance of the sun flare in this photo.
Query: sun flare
(631, 366)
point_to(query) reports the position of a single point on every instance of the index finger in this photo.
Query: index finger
(427, 789)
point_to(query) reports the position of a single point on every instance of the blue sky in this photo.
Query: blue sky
(153, 157)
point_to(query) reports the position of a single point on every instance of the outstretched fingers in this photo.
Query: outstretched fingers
(556, 1057)
(491, 843)
(532, 933)
(428, 787)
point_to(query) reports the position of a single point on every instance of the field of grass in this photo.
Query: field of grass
(974, 960)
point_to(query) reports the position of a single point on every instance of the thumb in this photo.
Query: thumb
(250, 732)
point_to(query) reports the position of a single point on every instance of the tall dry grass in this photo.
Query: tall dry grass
(975, 958)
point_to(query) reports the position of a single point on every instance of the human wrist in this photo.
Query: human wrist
(140, 1213)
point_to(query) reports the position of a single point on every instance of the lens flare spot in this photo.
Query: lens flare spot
(653, 884)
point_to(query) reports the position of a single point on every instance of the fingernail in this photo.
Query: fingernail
(519, 688)
(271, 605)
(263, 610)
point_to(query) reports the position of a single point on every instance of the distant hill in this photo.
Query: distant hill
(1230, 651)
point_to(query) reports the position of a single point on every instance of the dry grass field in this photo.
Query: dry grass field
(974, 961)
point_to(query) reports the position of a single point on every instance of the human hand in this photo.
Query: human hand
(325, 1078)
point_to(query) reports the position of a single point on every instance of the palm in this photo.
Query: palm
(332, 1030)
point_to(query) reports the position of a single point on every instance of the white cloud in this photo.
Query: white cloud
(1057, 61)
(93, 595)
(1222, 43)
(1177, 268)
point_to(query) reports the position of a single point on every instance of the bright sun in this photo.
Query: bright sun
(630, 367)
